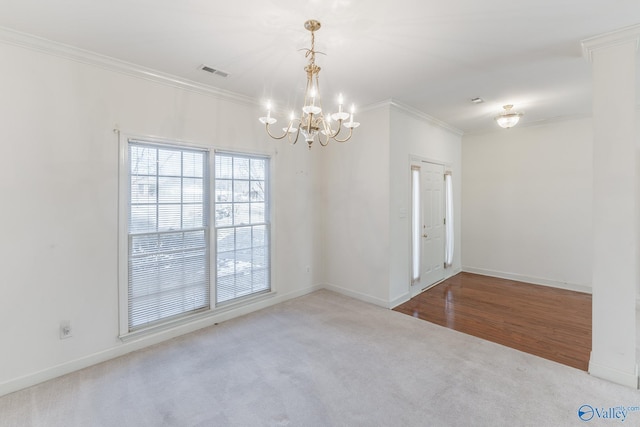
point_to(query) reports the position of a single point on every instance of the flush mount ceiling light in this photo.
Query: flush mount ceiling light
(508, 118)
(313, 123)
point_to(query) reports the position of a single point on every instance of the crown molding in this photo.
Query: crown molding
(425, 117)
(72, 53)
(610, 39)
(413, 112)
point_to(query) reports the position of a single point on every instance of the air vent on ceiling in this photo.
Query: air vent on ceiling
(214, 71)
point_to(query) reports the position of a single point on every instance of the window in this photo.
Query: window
(448, 203)
(188, 219)
(241, 226)
(416, 235)
(168, 233)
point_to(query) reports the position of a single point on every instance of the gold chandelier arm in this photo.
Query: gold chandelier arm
(346, 139)
(327, 135)
(297, 136)
(338, 129)
(326, 141)
(286, 132)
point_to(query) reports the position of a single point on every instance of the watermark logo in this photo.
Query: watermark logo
(586, 412)
(613, 413)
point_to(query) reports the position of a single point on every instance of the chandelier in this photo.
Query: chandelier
(508, 118)
(313, 123)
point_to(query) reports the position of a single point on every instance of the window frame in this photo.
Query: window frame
(124, 190)
(123, 239)
(268, 224)
(449, 229)
(416, 221)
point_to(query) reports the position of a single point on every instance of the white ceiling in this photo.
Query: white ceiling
(430, 55)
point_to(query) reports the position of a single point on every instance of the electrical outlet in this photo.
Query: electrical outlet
(65, 329)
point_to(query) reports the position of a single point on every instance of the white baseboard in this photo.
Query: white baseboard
(400, 300)
(146, 341)
(614, 375)
(528, 279)
(407, 295)
(358, 295)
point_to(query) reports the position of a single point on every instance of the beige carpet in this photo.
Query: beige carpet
(323, 360)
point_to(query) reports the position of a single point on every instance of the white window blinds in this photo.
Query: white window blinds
(242, 226)
(168, 271)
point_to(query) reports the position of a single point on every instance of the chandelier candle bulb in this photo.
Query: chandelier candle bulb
(313, 123)
(268, 120)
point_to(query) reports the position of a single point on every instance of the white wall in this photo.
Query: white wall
(59, 188)
(527, 203)
(355, 207)
(367, 190)
(414, 134)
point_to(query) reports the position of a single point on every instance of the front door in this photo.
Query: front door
(429, 226)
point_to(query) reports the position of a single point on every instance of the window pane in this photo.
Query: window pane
(257, 169)
(243, 245)
(224, 190)
(195, 240)
(169, 217)
(226, 263)
(243, 237)
(259, 257)
(241, 214)
(168, 267)
(243, 284)
(169, 163)
(259, 235)
(225, 289)
(143, 189)
(144, 244)
(169, 190)
(193, 190)
(143, 160)
(224, 213)
(240, 168)
(192, 164)
(260, 280)
(257, 191)
(257, 213)
(224, 167)
(225, 240)
(240, 191)
(142, 218)
(449, 244)
(192, 216)
(171, 242)
(416, 237)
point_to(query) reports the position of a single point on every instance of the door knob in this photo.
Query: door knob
(425, 235)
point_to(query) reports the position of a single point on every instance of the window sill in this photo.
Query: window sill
(196, 317)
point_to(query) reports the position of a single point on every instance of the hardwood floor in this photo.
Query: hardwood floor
(551, 323)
